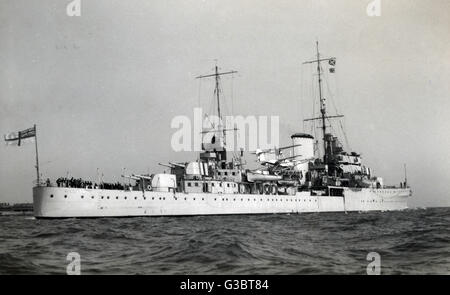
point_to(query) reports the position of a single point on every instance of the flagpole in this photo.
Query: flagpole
(37, 154)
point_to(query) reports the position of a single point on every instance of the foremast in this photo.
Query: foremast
(323, 107)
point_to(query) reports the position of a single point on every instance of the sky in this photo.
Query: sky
(103, 87)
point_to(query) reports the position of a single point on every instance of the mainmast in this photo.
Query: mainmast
(220, 128)
(323, 110)
(216, 91)
(217, 88)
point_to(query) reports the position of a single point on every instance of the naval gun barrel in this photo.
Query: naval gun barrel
(166, 165)
(130, 176)
(142, 176)
(177, 165)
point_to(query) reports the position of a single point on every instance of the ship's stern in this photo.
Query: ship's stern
(39, 200)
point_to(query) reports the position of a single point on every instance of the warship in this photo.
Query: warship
(337, 181)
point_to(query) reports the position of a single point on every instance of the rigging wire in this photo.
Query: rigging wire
(332, 98)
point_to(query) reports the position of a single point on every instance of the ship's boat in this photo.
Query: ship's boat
(254, 177)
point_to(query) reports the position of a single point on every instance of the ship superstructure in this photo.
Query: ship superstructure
(212, 184)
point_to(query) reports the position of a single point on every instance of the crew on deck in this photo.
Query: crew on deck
(80, 183)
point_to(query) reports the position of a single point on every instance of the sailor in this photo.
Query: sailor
(48, 182)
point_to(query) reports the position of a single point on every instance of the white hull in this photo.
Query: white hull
(62, 202)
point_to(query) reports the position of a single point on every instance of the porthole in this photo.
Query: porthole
(92, 197)
(51, 196)
(82, 197)
(135, 198)
(185, 199)
(107, 197)
(194, 199)
(65, 196)
(125, 198)
(203, 199)
(117, 198)
(102, 197)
